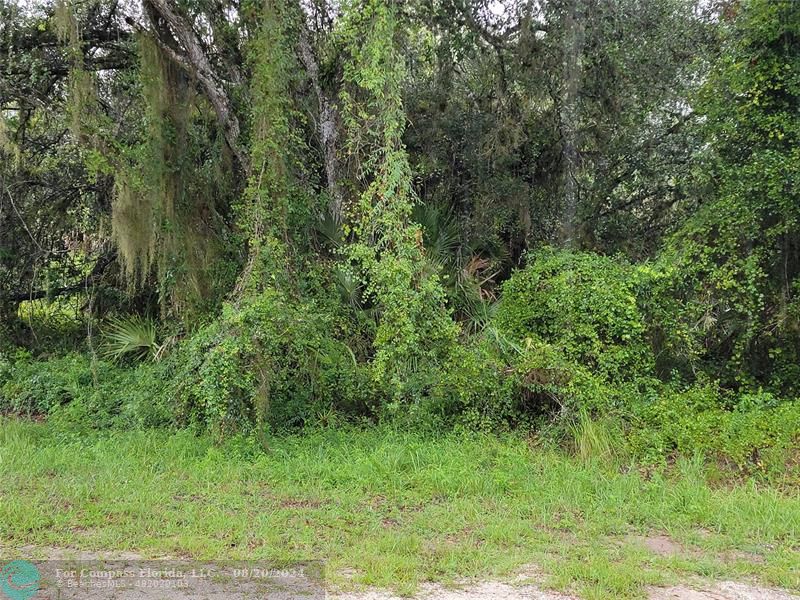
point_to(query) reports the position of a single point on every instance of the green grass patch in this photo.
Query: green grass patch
(391, 507)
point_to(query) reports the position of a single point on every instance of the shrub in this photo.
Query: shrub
(268, 362)
(584, 306)
(592, 333)
(475, 391)
(30, 387)
(581, 335)
(756, 434)
(78, 393)
(495, 383)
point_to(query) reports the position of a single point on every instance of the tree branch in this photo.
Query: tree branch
(97, 272)
(196, 63)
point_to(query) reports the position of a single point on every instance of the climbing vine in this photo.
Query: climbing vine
(272, 194)
(415, 330)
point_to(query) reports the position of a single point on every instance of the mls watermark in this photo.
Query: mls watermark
(157, 579)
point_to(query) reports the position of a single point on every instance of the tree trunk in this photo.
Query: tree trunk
(328, 126)
(569, 117)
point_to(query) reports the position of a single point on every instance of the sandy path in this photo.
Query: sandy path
(724, 590)
(227, 583)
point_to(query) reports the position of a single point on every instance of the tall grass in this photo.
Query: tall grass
(594, 440)
(396, 507)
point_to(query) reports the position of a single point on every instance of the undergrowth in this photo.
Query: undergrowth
(580, 350)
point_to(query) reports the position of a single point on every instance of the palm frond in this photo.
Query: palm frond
(440, 232)
(329, 228)
(350, 288)
(133, 336)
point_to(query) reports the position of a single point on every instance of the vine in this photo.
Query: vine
(266, 211)
(415, 331)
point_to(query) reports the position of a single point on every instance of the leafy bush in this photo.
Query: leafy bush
(757, 434)
(495, 383)
(268, 362)
(474, 391)
(579, 333)
(590, 335)
(76, 392)
(582, 305)
(35, 387)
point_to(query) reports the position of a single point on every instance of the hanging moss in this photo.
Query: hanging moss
(66, 25)
(164, 220)
(159, 218)
(132, 226)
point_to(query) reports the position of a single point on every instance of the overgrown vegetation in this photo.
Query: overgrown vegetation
(577, 219)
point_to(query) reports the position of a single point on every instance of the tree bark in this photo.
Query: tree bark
(191, 56)
(328, 126)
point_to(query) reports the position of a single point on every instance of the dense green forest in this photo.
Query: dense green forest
(578, 218)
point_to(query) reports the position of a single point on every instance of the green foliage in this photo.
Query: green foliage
(269, 362)
(167, 174)
(49, 325)
(415, 331)
(589, 334)
(467, 267)
(585, 307)
(33, 388)
(140, 171)
(76, 393)
(133, 336)
(736, 259)
(495, 383)
(275, 207)
(757, 434)
(474, 391)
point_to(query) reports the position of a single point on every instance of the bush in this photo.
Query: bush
(584, 306)
(757, 434)
(580, 333)
(495, 383)
(30, 388)
(586, 331)
(268, 362)
(475, 390)
(76, 392)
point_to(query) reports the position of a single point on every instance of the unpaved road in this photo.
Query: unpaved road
(487, 590)
(68, 574)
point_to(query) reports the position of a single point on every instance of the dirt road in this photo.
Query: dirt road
(44, 573)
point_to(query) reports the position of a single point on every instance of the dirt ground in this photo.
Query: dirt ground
(137, 578)
(488, 590)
